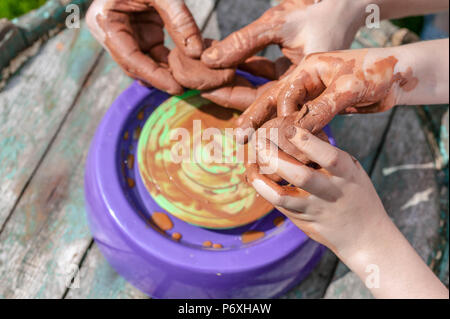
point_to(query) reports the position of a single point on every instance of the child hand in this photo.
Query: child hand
(353, 81)
(336, 205)
(326, 84)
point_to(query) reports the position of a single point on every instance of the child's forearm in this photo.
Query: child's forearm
(421, 71)
(429, 63)
(390, 267)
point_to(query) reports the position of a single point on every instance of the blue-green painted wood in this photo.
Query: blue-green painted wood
(33, 105)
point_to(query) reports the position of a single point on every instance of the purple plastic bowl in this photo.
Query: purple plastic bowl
(118, 216)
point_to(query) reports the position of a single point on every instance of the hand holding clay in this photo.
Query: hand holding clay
(299, 27)
(132, 31)
(193, 74)
(240, 94)
(338, 206)
(355, 81)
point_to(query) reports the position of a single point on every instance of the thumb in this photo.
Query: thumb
(181, 26)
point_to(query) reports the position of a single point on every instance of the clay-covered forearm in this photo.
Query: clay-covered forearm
(391, 268)
(423, 72)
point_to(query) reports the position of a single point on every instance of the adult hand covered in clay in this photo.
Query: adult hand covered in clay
(355, 81)
(299, 27)
(193, 74)
(132, 31)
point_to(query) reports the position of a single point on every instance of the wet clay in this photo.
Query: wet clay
(131, 183)
(209, 194)
(132, 31)
(328, 84)
(253, 173)
(137, 132)
(239, 95)
(217, 246)
(251, 235)
(406, 80)
(193, 74)
(176, 236)
(130, 161)
(284, 125)
(207, 243)
(377, 81)
(162, 221)
(278, 221)
(271, 28)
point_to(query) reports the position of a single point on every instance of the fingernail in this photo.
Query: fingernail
(293, 131)
(194, 47)
(210, 55)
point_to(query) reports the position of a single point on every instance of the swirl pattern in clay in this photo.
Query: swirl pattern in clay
(200, 192)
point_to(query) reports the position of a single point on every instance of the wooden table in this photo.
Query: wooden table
(51, 106)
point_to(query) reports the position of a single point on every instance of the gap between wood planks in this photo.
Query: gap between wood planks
(80, 264)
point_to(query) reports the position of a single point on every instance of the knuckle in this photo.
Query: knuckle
(332, 160)
(279, 200)
(302, 177)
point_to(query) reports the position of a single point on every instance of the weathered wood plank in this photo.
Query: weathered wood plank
(47, 234)
(51, 15)
(35, 26)
(97, 279)
(232, 15)
(413, 205)
(211, 29)
(33, 105)
(315, 285)
(11, 42)
(360, 135)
